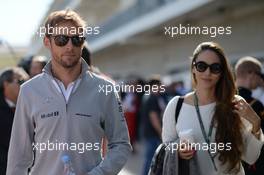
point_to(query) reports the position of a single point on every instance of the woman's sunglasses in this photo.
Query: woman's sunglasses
(62, 40)
(202, 66)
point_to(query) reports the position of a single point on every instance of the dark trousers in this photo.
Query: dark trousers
(151, 146)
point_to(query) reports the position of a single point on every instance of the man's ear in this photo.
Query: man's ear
(82, 47)
(46, 42)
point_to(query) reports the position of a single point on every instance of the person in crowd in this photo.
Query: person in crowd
(10, 81)
(223, 126)
(259, 92)
(36, 65)
(154, 106)
(130, 106)
(248, 78)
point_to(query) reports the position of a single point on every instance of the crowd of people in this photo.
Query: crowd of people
(59, 102)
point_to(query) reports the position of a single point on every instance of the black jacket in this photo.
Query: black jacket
(6, 121)
(255, 104)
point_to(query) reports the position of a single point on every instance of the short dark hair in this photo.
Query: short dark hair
(6, 75)
(155, 80)
(247, 65)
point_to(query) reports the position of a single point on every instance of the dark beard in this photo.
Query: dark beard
(67, 66)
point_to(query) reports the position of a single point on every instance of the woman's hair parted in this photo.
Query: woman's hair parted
(228, 124)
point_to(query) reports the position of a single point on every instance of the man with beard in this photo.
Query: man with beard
(64, 106)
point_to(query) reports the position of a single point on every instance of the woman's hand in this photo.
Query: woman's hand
(185, 151)
(243, 109)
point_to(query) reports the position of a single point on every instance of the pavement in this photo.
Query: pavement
(135, 162)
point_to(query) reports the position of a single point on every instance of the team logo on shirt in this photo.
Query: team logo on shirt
(51, 114)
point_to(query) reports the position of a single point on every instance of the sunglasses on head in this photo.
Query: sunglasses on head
(202, 66)
(62, 40)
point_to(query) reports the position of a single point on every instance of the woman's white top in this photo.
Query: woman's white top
(188, 119)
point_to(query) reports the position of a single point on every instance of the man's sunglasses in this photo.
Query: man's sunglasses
(202, 66)
(20, 82)
(62, 40)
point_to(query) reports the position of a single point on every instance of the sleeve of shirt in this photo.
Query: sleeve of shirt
(169, 132)
(116, 131)
(252, 145)
(20, 154)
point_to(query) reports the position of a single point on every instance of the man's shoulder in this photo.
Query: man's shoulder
(153, 99)
(99, 79)
(33, 82)
(101, 84)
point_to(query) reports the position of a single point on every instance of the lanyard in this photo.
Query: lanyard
(206, 137)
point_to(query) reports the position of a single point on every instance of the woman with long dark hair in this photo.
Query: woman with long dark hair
(223, 126)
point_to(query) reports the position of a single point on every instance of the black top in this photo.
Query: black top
(255, 104)
(6, 121)
(152, 104)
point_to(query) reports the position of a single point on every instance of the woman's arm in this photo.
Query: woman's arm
(169, 132)
(244, 110)
(252, 146)
(252, 133)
